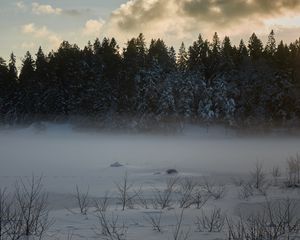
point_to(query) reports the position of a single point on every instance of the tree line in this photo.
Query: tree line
(209, 81)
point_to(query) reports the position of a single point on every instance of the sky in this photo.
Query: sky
(26, 25)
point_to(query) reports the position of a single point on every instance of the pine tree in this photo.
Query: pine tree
(186, 95)
(3, 70)
(3, 87)
(12, 69)
(227, 50)
(12, 91)
(198, 55)
(148, 90)
(243, 51)
(216, 45)
(182, 59)
(27, 71)
(212, 81)
(282, 56)
(166, 103)
(141, 45)
(255, 47)
(133, 62)
(28, 88)
(270, 48)
(159, 54)
(42, 80)
(227, 55)
(172, 59)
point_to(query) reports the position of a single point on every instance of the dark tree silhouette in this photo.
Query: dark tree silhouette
(209, 81)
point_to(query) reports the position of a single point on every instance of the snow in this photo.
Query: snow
(67, 158)
(83, 227)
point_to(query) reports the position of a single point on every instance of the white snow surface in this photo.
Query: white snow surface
(67, 158)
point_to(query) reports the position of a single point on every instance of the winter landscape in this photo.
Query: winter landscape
(150, 119)
(204, 183)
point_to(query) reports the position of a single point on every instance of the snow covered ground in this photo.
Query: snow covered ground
(67, 158)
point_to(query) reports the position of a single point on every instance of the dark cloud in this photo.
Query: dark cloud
(230, 11)
(137, 14)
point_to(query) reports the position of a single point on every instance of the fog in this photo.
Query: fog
(66, 157)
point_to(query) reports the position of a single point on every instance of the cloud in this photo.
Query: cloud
(93, 27)
(42, 33)
(154, 18)
(138, 13)
(48, 9)
(21, 6)
(183, 19)
(27, 45)
(28, 28)
(40, 9)
(231, 11)
(224, 12)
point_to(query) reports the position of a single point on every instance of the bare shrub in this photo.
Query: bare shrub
(258, 175)
(294, 171)
(126, 193)
(82, 199)
(216, 191)
(264, 189)
(178, 232)
(110, 228)
(6, 214)
(276, 174)
(70, 235)
(276, 220)
(185, 192)
(212, 222)
(246, 191)
(154, 218)
(102, 204)
(141, 200)
(163, 198)
(200, 197)
(31, 208)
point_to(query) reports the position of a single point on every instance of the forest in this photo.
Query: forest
(207, 82)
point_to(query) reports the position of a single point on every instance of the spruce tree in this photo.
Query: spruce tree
(255, 47)
(182, 59)
(270, 48)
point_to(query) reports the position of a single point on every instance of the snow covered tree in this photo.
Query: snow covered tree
(211, 81)
(186, 96)
(217, 103)
(148, 90)
(182, 59)
(166, 103)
